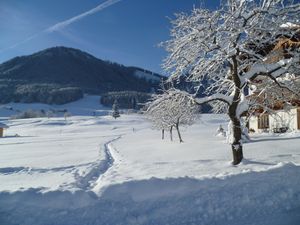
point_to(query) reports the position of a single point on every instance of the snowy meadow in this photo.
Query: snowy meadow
(88, 169)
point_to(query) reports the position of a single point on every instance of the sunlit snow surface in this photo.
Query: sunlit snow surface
(97, 170)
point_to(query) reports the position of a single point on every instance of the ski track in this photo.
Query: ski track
(87, 182)
(29, 170)
(83, 182)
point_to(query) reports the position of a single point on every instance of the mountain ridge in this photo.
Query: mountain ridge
(63, 67)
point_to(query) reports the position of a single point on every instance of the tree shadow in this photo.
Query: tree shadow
(251, 162)
(16, 136)
(273, 139)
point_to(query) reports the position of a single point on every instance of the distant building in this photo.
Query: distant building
(278, 122)
(281, 112)
(283, 106)
(2, 127)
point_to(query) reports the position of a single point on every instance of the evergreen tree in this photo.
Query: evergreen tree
(115, 110)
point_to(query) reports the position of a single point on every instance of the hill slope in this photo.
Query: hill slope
(50, 70)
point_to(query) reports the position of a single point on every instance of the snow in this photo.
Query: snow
(99, 170)
(243, 106)
(289, 25)
(147, 76)
(85, 106)
(276, 69)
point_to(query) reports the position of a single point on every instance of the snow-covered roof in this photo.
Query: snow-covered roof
(290, 25)
(2, 125)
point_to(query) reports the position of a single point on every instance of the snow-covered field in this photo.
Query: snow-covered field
(98, 170)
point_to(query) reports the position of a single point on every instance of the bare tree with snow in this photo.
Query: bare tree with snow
(172, 109)
(230, 47)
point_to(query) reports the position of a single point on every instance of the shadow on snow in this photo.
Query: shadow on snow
(269, 197)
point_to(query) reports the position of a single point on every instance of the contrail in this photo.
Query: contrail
(21, 42)
(65, 23)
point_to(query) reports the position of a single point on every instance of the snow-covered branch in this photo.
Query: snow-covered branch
(272, 70)
(215, 97)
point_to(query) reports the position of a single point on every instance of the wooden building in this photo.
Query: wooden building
(2, 127)
(278, 122)
(283, 104)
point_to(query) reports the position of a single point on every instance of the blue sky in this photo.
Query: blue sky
(126, 32)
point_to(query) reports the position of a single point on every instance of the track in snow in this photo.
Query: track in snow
(99, 167)
(83, 182)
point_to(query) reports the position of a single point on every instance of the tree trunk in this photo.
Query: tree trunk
(236, 145)
(171, 133)
(162, 134)
(178, 132)
(237, 151)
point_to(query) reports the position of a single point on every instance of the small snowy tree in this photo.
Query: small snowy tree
(115, 110)
(229, 48)
(66, 115)
(172, 109)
